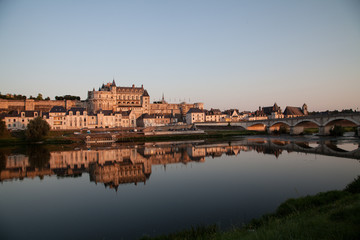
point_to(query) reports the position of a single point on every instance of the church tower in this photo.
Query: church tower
(305, 109)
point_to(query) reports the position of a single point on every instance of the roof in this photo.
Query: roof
(106, 112)
(146, 94)
(293, 111)
(125, 113)
(148, 116)
(269, 110)
(195, 110)
(31, 113)
(58, 109)
(27, 114)
(77, 109)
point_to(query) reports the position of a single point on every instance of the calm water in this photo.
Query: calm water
(125, 192)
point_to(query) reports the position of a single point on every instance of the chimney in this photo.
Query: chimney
(133, 86)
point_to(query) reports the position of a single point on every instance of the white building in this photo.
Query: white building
(195, 115)
(20, 120)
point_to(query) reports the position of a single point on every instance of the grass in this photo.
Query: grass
(329, 215)
(311, 130)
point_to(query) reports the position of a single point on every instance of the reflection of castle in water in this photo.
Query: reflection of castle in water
(133, 164)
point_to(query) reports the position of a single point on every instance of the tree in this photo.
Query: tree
(39, 97)
(2, 128)
(337, 131)
(37, 129)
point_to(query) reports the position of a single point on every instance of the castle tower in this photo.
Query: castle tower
(305, 109)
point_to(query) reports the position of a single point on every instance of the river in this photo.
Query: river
(128, 191)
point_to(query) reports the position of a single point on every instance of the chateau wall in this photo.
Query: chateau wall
(36, 105)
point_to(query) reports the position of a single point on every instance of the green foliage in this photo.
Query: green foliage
(12, 97)
(37, 129)
(67, 97)
(329, 215)
(337, 131)
(354, 186)
(199, 232)
(39, 97)
(3, 129)
(296, 205)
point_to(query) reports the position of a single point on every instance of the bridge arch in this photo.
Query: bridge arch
(279, 127)
(337, 119)
(307, 121)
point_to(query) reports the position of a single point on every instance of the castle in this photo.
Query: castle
(109, 107)
(136, 99)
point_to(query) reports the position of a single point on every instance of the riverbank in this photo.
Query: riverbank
(68, 137)
(328, 215)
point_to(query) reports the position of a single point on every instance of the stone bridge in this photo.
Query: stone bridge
(324, 122)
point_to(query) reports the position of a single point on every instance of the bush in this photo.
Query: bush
(354, 186)
(37, 129)
(337, 131)
(3, 128)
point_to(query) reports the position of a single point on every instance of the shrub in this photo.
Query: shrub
(3, 128)
(337, 131)
(37, 129)
(354, 186)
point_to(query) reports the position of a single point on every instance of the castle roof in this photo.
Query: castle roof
(269, 110)
(58, 109)
(146, 94)
(195, 110)
(293, 111)
(77, 109)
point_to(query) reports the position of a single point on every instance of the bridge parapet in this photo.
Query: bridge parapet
(321, 120)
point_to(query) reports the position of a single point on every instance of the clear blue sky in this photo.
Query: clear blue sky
(227, 54)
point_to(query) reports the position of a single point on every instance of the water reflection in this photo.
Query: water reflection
(119, 164)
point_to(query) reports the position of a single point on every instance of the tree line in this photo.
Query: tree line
(39, 97)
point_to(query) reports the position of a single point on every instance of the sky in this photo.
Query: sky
(227, 54)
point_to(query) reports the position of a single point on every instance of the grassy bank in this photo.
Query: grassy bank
(67, 137)
(329, 215)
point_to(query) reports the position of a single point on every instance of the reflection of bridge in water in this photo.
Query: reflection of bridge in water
(327, 148)
(133, 164)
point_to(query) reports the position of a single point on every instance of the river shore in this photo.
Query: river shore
(327, 215)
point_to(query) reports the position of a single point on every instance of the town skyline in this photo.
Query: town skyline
(232, 54)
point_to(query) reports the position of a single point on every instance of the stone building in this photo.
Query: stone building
(296, 111)
(7, 105)
(117, 99)
(137, 99)
(78, 118)
(20, 120)
(273, 112)
(195, 115)
(215, 115)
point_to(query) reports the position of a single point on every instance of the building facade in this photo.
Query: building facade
(195, 115)
(118, 99)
